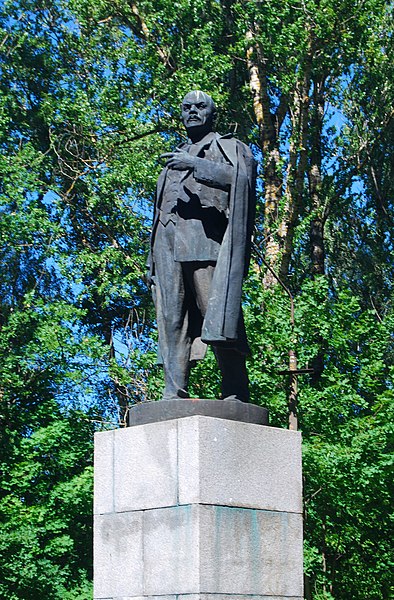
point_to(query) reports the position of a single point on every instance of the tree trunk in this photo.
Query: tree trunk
(269, 124)
(317, 249)
(298, 161)
(314, 176)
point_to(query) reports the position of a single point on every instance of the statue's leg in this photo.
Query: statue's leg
(231, 362)
(235, 381)
(199, 277)
(171, 314)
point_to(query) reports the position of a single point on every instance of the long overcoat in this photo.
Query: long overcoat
(223, 322)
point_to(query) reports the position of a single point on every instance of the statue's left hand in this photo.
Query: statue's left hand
(179, 160)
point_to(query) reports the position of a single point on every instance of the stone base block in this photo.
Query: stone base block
(198, 507)
(197, 460)
(197, 549)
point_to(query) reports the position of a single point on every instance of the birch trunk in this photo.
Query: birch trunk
(269, 140)
(315, 180)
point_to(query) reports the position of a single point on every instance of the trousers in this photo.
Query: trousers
(181, 299)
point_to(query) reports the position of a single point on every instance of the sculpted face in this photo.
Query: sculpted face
(198, 110)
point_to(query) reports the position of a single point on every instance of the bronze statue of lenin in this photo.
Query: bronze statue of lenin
(200, 249)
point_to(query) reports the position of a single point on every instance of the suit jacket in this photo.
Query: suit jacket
(228, 187)
(197, 202)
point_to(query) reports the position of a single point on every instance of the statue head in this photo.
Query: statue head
(198, 112)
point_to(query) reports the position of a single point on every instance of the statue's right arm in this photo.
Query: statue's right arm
(212, 173)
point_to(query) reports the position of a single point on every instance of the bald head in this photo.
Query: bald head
(198, 112)
(199, 96)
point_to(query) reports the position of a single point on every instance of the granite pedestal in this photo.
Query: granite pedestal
(200, 508)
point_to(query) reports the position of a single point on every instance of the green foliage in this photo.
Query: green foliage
(347, 498)
(46, 509)
(347, 430)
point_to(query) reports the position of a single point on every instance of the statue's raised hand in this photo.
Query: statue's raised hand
(179, 160)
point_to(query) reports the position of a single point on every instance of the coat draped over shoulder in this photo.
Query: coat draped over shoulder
(222, 320)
